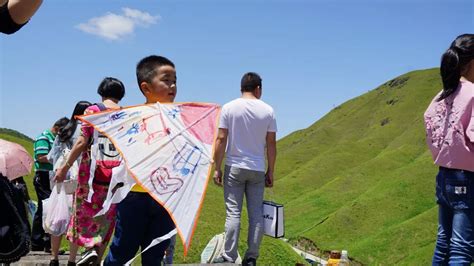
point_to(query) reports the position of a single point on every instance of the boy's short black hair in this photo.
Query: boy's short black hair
(250, 81)
(61, 123)
(146, 68)
(111, 88)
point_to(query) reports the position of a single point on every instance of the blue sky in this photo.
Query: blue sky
(312, 55)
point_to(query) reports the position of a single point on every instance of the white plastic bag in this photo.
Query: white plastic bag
(214, 250)
(56, 211)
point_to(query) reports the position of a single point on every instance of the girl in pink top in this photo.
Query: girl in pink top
(449, 122)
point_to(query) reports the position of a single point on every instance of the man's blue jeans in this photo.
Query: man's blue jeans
(455, 195)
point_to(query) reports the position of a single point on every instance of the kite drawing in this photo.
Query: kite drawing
(163, 183)
(165, 148)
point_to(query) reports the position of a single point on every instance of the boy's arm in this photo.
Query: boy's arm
(271, 158)
(219, 152)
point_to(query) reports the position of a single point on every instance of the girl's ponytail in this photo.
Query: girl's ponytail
(454, 62)
(450, 72)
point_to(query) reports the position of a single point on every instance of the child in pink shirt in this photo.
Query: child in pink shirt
(449, 122)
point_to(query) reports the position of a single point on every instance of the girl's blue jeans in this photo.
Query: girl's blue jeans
(455, 195)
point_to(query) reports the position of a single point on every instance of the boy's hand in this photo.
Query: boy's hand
(218, 177)
(269, 179)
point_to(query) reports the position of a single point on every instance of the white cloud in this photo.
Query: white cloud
(115, 27)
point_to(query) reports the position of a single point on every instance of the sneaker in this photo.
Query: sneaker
(54, 263)
(249, 262)
(70, 263)
(88, 258)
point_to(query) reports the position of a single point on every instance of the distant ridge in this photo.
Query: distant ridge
(15, 133)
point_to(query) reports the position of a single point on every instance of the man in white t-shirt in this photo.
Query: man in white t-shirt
(247, 126)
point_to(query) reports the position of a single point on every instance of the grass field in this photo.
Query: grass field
(273, 251)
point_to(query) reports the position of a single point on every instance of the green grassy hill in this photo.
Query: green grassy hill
(362, 179)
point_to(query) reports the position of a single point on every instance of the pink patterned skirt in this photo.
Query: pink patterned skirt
(84, 229)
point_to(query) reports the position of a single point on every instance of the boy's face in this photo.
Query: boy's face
(162, 87)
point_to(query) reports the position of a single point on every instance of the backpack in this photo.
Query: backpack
(14, 226)
(104, 157)
(107, 150)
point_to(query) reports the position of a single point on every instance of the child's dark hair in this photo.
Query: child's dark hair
(250, 81)
(454, 61)
(111, 88)
(146, 68)
(70, 128)
(61, 123)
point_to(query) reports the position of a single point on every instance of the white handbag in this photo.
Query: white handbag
(273, 219)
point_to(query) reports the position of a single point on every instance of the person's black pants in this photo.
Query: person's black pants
(39, 239)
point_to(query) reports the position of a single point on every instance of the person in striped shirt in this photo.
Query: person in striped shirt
(39, 239)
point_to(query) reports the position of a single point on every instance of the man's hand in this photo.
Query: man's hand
(42, 158)
(60, 175)
(218, 177)
(269, 179)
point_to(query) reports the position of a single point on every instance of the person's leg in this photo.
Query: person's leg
(39, 239)
(100, 251)
(254, 190)
(159, 223)
(459, 191)
(234, 187)
(445, 219)
(462, 238)
(72, 252)
(169, 252)
(129, 229)
(55, 245)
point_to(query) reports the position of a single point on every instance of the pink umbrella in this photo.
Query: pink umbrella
(15, 161)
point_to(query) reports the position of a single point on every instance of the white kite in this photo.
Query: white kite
(167, 149)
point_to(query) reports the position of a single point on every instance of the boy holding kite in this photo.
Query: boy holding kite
(140, 219)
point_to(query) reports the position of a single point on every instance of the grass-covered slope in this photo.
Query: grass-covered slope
(362, 178)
